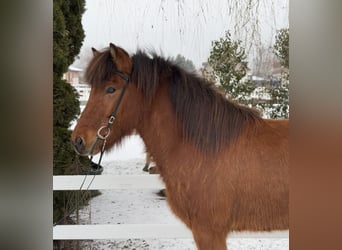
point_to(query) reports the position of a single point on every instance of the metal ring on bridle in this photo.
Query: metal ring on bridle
(103, 137)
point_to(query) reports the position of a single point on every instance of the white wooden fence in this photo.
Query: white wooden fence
(126, 231)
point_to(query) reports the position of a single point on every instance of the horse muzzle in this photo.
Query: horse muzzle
(81, 148)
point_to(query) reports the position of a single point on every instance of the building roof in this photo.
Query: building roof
(73, 68)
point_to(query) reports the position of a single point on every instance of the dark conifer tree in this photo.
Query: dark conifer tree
(68, 35)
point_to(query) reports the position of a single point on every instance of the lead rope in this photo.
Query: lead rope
(101, 137)
(84, 179)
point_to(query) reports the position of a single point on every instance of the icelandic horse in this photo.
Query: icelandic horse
(148, 160)
(224, 167)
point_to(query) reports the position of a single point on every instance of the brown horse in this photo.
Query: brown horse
(148, 161)
(153, 170)
(224, 167)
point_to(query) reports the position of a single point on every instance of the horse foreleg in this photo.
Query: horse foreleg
(148, 161)
(207, 239)
(146, 167)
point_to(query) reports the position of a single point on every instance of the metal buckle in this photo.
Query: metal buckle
(111, 119)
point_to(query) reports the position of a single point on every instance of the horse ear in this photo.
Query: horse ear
(95, 52)
(113, 51)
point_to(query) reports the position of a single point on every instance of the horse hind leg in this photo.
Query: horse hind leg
(209, 240)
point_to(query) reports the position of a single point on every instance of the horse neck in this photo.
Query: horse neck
(159, 128)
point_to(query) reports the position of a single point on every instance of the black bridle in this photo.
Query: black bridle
(112, 116)
(111, 120)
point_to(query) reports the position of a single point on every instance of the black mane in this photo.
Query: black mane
(208, 119)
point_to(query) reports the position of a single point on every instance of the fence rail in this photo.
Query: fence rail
(74, 182)
(142, 231)
(126, 231)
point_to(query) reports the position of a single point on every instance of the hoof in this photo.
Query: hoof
(145, 168)
(153, 170)
(162, 193)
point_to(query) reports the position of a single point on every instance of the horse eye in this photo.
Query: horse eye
(110, 90)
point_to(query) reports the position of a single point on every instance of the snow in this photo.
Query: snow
(145, 207)
(260, 93)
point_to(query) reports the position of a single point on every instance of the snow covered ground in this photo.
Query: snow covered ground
(144, 206)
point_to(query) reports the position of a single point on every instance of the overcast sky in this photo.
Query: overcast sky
(172, 27)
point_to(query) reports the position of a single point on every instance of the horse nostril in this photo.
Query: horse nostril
(79, 141)
(79, 144)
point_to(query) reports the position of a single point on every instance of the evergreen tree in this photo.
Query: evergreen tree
(280, 98)
(280, 94)
(281, 47)
(278, 105)
(68, 35)
(228, 63)
(228, 67)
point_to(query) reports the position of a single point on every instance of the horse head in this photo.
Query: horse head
(111, 111)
